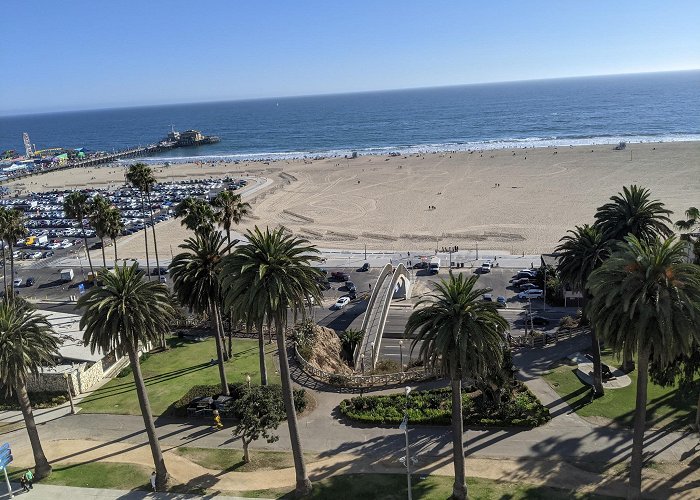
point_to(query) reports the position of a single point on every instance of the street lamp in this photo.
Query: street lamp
(404, 428)
(401, 353)
(70, 394)
(373, 357)
(362, 363)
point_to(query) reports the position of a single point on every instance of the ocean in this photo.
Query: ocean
(562, 112)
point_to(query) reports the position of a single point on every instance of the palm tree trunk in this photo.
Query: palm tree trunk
(104, 258)
(222, 336)
(697, 415)
(153, 228)
(42, 466)
(12, 265)
(303, 484)
(597, 365)
(162, 476)
(145, 239)
(640, 417)
(459, 489)
(627, 361)
(219, 349)
(114, 242)
(230, 337)
(87, 252)
(4, 266)
(263, 362)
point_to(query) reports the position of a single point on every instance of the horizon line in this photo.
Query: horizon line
(329, 94)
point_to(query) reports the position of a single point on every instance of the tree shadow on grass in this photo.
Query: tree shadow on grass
(127, 387)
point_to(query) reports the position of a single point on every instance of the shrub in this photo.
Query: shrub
(568, 322)
(304, 334)
(43, 399)
(387, 366)
(179, 408)
(434, 407)
(338, 380)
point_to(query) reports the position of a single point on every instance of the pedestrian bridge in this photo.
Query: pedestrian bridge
(391, 284)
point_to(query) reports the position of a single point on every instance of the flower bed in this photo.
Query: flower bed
(434, 407)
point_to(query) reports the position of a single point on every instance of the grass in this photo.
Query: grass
(393, 487)
(227, 460)
(109, 475)
(169, 374)
(666, 407)
(122, 476)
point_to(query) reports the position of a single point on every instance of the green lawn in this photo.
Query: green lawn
(393, 487)
(344, 487)
(227, 460)
(116, 476)
(666, 407)
(170, 374)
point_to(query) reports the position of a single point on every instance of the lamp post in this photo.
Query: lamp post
(404, 428)
(70, 394)
(401, 353)
(373, 356)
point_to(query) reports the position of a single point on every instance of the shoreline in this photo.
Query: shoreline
(515, 200)
(448, 147)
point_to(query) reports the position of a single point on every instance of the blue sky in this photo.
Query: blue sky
(92, 54)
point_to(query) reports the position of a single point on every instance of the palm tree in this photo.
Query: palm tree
(98, 213)
(462, 336)
(27, 343)
(76, 206)
(197, 215)
(230, 210)
(3, 225)
(196, 282)
(692, 219)
(646, 299)
(633, 212)
(141, 177)
(262, 281)
(13, 228)
(114, 226)
(581, 251)
(125, 313)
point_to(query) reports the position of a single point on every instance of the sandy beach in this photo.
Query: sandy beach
(516, 200)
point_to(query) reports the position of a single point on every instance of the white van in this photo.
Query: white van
(434, 266)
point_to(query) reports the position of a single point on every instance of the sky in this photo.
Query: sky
(77, 54)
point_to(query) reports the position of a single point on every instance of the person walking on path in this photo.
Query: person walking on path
(153, 481)
(23, 484)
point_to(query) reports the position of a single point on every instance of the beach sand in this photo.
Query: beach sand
(516, 200)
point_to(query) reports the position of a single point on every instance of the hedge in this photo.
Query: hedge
(38, 400)
(434, 407)
(179, 408)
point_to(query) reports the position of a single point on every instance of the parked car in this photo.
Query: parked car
(323, 284)
(48, 253)
(520, 281)
(486, 267)
(527, 286)
(340, 276)
(487, 297)
(533, 293)
(17, 282)
(162, 270)
(364, 268)
(36, 255)
(341, 302)
(526, 273)
(501, 301)
(350, 286)
(30, 281)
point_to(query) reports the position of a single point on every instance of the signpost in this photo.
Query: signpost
(5, 459)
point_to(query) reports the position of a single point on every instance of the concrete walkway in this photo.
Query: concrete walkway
(43, 492)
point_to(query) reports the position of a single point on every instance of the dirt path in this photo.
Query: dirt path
(557, 474)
